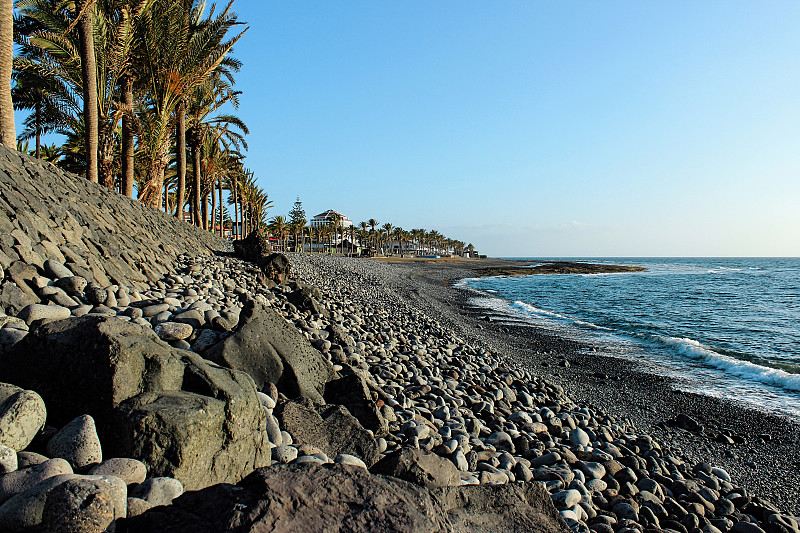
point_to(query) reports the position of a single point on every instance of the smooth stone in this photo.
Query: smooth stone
(137, 506)
(274, 430)
(22, 415)
(21, 480)
(72, 284)
(309, 459)
(131, 471)
(284, 453)
(33, 312)
(91, 501)
(26, 459)
(155, 309)
(595, 485)
(77, 442)
(593, 470)
(8, 459)
(566, 498)
(347, 459)
(56, 270)
(173, 331)
(158, 490)
(579, 437)
(266, 400)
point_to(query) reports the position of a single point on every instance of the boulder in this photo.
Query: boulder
(91, 364)
(275, 267)
(416, 466)
(272, 351)
(316, 498)
(507, 508)
(299, 497)
(332, 429)
(65, 502)
(307, 298)
(212, 431)
(362, 401)
(22, 415)
(253, 247)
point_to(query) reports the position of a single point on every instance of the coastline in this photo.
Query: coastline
(766, 463)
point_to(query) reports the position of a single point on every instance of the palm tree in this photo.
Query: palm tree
(278, 227)
(8, 134)
(84, 13)
(182, 51)
(387, 229)
(372, 223)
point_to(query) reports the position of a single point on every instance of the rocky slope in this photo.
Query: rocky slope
(210, 394)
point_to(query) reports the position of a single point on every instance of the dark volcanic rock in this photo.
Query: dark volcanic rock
(91, 364)
(272, 351)
(181, 415)
(254, 247)
(307, 299)
(317, 498)
(295, 497)
(333, 429)
(414, 465)
(275, 267)
(212, 431)
(352, 391)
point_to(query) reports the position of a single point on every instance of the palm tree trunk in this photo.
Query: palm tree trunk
(204, 203)
(236, 227)
(89, 76)
(196, 184)
(213, 208)
(180, 143)
(8, 134)
(38, 112)
(126, 186)
(221, 221)
(166, 198)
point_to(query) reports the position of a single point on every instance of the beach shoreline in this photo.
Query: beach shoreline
(765, 457)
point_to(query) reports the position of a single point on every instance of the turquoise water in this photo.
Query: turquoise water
(728, 327)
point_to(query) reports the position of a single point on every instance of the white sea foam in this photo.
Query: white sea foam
(532, 309)
(743, 369)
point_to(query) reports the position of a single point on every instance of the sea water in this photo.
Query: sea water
(727, 327)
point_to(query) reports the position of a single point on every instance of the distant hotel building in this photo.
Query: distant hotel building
(326, 218)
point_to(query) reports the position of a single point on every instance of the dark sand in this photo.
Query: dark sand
(768, 467)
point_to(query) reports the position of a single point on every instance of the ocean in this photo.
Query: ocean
(726, 327)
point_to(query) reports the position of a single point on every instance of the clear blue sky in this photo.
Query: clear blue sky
(534, 128)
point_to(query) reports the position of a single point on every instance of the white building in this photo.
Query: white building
(326, 219)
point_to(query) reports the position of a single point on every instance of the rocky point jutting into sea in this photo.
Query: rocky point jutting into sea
(153, 381)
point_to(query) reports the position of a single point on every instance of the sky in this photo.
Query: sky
(533, 128)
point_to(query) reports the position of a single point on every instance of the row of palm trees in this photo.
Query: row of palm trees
(386, 239)
(138, 89)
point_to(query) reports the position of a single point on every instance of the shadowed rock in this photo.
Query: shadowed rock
(332, 429)
(272, 351)
(316, 498)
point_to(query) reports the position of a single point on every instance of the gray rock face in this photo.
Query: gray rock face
(89, 365)
(331, 429)
(212, 431)
(353, 391)
(425, 469)
(272, 351)
(313, 497)
(22, 415)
